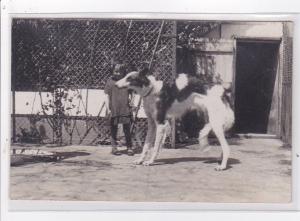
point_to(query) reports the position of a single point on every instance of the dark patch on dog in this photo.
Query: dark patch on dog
(192, 122)
(195, 85)
(169, 93)
(227, 99)
(166, 98)
(140, 81)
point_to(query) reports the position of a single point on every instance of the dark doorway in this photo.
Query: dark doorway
(256, 65)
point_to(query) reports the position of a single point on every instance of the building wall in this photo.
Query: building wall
(229, 30)
(280, 113)
(251, 30)
(90, 103)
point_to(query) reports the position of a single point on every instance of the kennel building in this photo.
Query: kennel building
(255, 58)
(60, 66)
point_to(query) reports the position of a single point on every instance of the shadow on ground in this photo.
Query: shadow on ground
(21, 159)
(212, 142)
(88, 163)
(209, 160)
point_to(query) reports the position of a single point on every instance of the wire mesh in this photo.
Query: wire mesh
(81, 53)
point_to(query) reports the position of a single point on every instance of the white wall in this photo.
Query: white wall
(251, 29)
(30, 103)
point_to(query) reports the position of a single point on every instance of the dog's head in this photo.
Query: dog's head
(136, 80)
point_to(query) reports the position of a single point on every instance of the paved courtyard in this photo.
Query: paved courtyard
(259, 171)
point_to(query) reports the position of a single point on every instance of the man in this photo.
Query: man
(118, 106)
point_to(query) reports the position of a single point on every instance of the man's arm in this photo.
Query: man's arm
(106, 101)
(107, 91)
(131, 98)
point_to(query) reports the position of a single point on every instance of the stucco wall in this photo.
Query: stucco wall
(228, 30)
(251, 30)
(30, 103)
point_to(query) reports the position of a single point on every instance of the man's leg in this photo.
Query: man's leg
(126, 129)
(113, 137)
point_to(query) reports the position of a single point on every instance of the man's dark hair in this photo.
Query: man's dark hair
(123, 69)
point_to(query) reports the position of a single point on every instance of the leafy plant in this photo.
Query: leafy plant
(31, 135)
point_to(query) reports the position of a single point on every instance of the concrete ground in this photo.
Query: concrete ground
(259, 171)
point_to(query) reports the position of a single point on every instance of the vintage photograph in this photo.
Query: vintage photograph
(151, 110)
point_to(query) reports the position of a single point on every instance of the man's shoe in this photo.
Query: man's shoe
(130, 152)
(115, 151)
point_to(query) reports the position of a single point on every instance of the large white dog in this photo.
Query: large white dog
(162, 101)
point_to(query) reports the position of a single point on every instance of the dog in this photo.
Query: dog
(163, 101)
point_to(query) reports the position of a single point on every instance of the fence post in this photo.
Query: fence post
(173, 125)
(13, 87)
(286, 102)
(14, 113)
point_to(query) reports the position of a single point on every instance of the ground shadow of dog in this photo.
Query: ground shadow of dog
(208, 160)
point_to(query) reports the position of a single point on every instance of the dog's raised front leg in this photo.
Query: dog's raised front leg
(159, 139)
(148, 141)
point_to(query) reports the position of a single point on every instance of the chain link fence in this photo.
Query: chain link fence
(77, 55)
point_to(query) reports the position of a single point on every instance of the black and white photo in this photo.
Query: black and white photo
(151, 110)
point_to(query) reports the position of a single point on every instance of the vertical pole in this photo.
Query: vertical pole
(234, 59)
(13, 87)
(281, 95)
(86, 103)
(173, 126)
(14, 109)
(173, 123)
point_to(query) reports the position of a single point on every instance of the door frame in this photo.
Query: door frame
(278, 79)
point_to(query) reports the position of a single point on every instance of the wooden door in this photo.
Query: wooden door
(256, 80)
